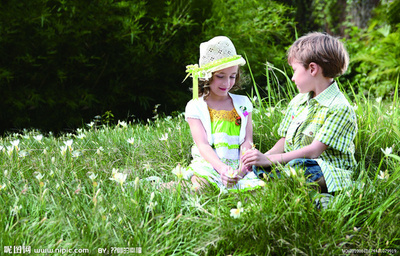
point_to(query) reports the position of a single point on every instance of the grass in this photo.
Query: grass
(59, 197)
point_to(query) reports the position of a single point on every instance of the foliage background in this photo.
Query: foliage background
(65, 62)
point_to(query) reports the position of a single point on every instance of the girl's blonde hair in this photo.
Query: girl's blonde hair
(325, 50)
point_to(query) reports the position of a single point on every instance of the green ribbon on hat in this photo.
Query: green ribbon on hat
(201, 72)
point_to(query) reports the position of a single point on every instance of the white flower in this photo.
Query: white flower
(235, 213)
(15, 144)
(164, 137)
(378, 100)
(131, 140)
(38, 137)
(91, 124)
(80, 136)
(118, 177)
(68, 144)
(76, 153)
(23, 153)
(268, 114)
(182, 172)
(147, 166)
(99, 150)
(1, 147)
(38, 176)
(355, 106)
(63, 150)
(151, 205)
(92, 176)
(387, 151)
(10, 150)
(114, 171)
(178, 171)
(231, 173)
(223, 190)
(383, 175)
(123, 124)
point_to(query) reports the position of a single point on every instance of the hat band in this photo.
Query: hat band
(205, 72)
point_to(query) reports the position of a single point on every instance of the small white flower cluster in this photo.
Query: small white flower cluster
(118, 176)
(235, 213)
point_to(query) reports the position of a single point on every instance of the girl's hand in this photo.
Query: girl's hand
(255, 157)
(229, 177)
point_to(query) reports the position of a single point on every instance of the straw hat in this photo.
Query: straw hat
(215, 54)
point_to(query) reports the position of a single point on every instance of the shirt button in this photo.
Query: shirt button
(311, 133)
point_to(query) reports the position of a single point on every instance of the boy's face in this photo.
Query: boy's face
(223, 80)
(302, 77)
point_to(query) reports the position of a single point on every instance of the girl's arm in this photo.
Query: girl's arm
(312, 151)
(248, 139)
(246, 145)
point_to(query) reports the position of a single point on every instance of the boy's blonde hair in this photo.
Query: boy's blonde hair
(325, 50)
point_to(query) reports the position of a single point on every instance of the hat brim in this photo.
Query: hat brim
(207, 74)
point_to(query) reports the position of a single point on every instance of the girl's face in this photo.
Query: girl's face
(301, 77)
(222, 81)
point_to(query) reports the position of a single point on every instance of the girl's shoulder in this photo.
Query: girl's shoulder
(195, 108)
(242, 101)
(240, 98)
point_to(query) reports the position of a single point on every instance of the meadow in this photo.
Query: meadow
(85, 193)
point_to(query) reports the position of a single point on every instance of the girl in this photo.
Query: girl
(220, 122)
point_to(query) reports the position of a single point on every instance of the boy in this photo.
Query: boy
(319, 125)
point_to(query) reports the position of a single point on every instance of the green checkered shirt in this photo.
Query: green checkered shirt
(330, 119)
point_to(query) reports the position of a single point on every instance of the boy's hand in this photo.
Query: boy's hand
(255, 157)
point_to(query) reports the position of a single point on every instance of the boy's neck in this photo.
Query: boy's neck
(323, 83)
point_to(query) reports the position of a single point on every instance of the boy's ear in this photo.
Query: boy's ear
(314, 68)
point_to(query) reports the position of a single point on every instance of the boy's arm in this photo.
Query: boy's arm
(278, 148)
(312, 151)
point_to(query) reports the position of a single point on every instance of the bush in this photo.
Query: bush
(375, 55)
(83, 58)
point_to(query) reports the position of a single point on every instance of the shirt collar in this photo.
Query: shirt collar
(327, 96)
